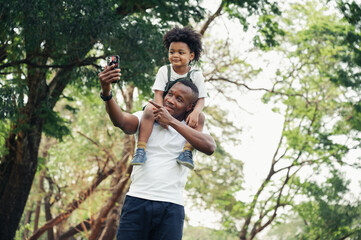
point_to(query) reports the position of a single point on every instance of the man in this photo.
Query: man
(153, 208)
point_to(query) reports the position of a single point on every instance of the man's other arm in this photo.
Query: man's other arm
(200, 141)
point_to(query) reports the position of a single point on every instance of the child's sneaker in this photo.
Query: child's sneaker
(186, 159)
(139, 157)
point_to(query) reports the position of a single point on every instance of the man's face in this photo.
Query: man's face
(179, 100)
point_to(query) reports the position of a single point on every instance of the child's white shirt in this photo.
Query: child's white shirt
(196, 76)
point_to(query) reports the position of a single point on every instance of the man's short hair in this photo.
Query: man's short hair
(192, 86)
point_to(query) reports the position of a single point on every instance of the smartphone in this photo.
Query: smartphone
(113, 60)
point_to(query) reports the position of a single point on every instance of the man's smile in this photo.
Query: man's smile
(168, 107)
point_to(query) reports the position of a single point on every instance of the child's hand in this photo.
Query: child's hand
(192, 119)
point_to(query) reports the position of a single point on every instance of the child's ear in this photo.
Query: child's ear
(192, 56)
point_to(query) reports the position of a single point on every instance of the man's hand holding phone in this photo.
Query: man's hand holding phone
(111, 74)
(113, 61)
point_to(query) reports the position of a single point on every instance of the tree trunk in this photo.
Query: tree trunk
(38, 202)
(27, 220)
(111, 223)
(17, 169)
(19, 165)
(118, 192)
(37, 212)
(48, 216)
(110, 228)
(49, 194)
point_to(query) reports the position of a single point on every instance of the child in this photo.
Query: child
(184, 46)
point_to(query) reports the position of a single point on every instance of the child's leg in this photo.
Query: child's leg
(186, 157)
(145, 129)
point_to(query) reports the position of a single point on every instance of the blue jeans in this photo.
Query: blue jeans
(143, 219)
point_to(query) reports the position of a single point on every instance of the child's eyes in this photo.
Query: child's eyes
(172, 52)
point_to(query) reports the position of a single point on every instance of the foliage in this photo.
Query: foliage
(267, 25)
(318, 131)
(348, 74)
(330, 214)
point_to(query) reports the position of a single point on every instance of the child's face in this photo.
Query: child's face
(179, 54)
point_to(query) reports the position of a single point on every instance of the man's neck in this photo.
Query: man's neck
(181, 118)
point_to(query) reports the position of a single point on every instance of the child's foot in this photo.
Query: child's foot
(139, 157)
(186, 159)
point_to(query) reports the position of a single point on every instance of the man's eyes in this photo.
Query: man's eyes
(179, 99)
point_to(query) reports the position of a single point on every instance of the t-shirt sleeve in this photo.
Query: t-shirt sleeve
(139, 115)
(198, 80)
(161, 79)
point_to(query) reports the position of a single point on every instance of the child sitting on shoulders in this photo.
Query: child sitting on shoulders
(184, 47)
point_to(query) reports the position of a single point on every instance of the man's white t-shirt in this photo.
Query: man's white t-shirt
(196, 76)
(161, 178)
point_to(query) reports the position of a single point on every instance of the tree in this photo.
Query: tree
(46, 47)
(317, 132)
(311, 105)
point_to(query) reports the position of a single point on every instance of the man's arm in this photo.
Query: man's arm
(200, 141)
(125, 121)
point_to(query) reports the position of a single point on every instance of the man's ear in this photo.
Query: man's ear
(190, 107)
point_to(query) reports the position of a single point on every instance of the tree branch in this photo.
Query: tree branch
(211, 19)
(74, 230)
(77, 63)
(238, 84)
(74, 205)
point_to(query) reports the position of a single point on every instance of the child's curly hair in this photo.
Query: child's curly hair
(186, 35)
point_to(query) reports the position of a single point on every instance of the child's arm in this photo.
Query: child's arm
(193, 117)
(158, 97)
